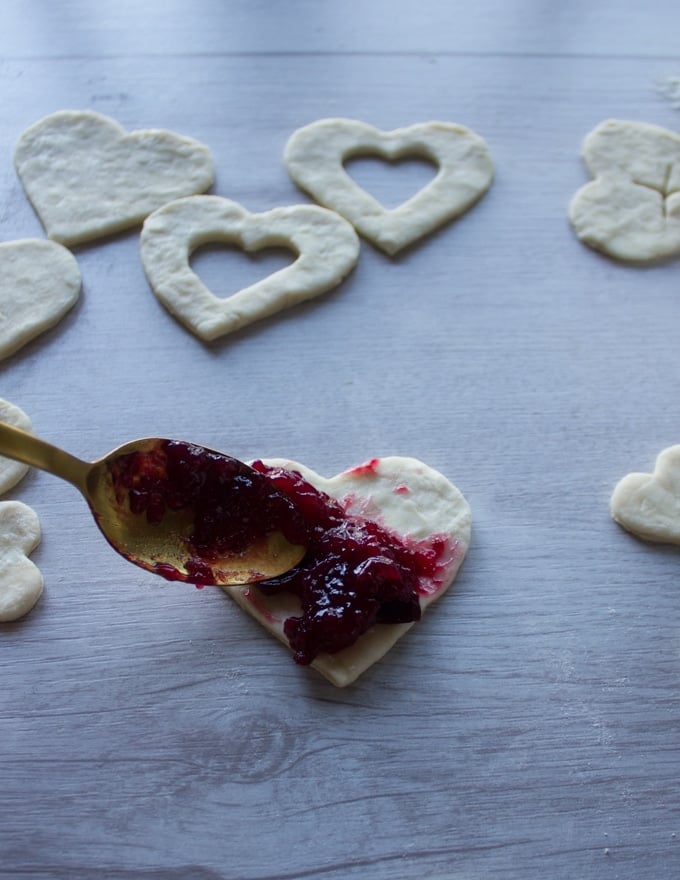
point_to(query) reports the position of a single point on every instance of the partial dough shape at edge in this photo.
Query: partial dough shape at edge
(648, 504)
(47, 303)
(21, 583)
(344, 667)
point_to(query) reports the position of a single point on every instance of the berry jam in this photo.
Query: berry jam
(355, 573)
(230, 505)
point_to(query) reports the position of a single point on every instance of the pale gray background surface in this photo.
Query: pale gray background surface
(528, 727)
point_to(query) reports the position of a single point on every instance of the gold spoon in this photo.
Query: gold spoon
(177, 509)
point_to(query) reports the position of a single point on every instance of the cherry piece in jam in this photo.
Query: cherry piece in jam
(355, 573)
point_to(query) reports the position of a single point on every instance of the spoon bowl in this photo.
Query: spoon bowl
(177, 509)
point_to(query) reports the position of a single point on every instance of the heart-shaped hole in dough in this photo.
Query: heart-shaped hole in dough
(391, 181)
(315, 158)
(225, 268)
(325, 245)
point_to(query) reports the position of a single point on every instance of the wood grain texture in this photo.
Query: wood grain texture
(528, 727)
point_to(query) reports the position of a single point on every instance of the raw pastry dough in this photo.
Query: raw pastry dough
(87, 177)
(315, 154)
(327, 249)
(631, 211)
(21, 583)
(403, 495)
(649, 504)
(12, 471)
(39, 283)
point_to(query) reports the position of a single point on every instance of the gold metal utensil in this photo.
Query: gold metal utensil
(177, 509)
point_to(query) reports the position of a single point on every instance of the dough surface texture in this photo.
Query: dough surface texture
(21, 583)
(403, 495)
(631, 210)
(314, 157)
(39, 283)
(326, 247)
(11, 472)
(649, 504)
(87, 177)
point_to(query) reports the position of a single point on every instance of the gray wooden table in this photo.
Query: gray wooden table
(528, 727)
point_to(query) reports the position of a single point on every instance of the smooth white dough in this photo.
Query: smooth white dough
(326, 246)
(21, 583)
(631, 210)
(314, 157)
(11, 472)
(39, 283)
(87, 177)
(402, 494)
(649, 504)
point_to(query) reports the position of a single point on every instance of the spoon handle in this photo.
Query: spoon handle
(29, 449)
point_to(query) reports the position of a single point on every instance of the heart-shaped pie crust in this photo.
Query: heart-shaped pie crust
(327, 250)
(407, 498)
(315, 154)
(21, 583)
(649, 504)
(11, 472)
(631, 211)
(87, 177)
(39, 283)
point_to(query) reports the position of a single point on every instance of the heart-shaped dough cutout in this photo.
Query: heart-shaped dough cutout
(631, 211)
(327, 250)
(649, 504)
(87, 177)
(315, 154)
(11, 472)
(39, 283)
(407, 498)
(21, 583)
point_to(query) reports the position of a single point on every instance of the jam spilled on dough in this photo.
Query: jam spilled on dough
(355, 573)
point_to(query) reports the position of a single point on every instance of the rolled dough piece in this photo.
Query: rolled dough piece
(403, 495)
(326, 246)
(39, 283)
(315, 154)
(631, 210)
(648, 505)
(11, 472)
(87, 177)
(21, 583)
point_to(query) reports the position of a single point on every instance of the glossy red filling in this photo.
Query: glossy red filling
(231, 505)
(355, 573)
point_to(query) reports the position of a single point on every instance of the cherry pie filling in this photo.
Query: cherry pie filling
(355, 573)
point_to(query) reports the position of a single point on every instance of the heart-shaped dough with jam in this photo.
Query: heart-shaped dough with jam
(426, 523)
(21, 583)
(649, 504)
(11, 472)
(87, 177)
(39, 283)
(314, 157)
(631, 211)
(326, 246)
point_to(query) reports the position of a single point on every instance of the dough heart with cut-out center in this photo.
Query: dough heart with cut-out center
(325, 245)
(21, 583)
(314, 157)
(408, 498)
(39, 283)
(631, 210)
(649, 504)
(87, 177)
